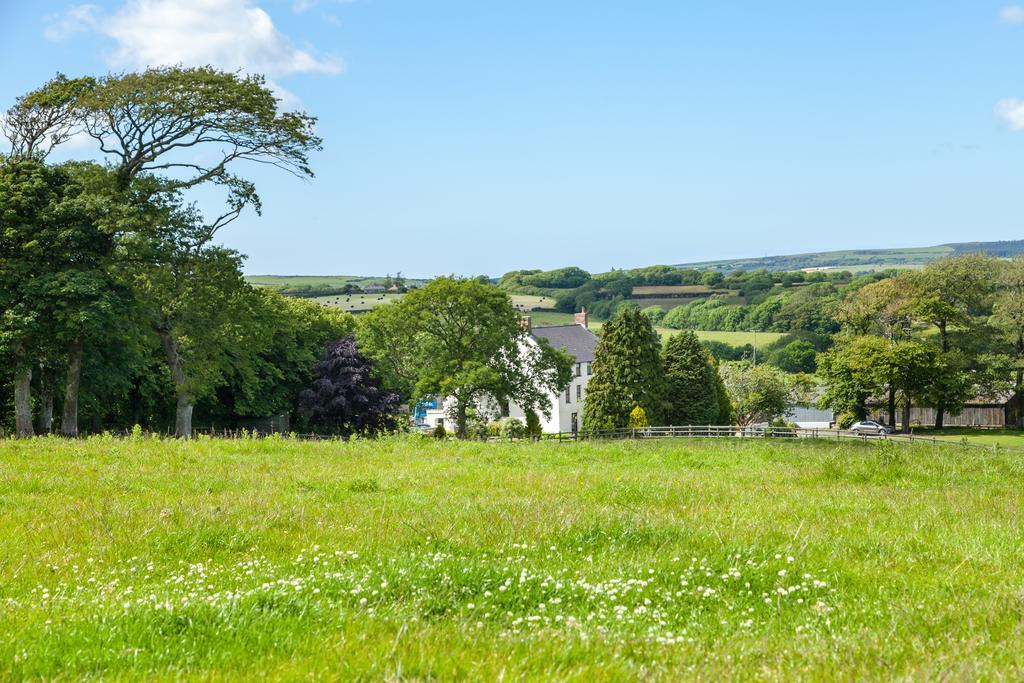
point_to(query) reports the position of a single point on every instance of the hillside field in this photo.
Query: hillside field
(416, 559)
(357, 303)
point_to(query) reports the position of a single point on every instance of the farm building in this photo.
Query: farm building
(1001, 410)
(579, 342)
(373, 289)
(810, 417)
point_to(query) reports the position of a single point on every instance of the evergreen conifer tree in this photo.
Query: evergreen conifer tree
(627, 373)
(692, 382)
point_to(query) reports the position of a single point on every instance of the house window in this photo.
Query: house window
(568, 396)
(440, 422)
(579, 369)
(590, 370)
(579, 391)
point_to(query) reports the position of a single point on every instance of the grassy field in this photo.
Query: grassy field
(424, 560)
(355, 303)
(527, 302)
(1008, 438)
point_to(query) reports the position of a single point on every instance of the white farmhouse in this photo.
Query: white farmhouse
(579, 342)
(566, 407)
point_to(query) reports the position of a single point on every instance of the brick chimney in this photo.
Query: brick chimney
(582, 319)
(526, 322)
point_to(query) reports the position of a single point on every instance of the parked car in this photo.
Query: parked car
(870, 427)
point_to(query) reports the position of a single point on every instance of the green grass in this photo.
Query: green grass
(400, 559)
(739, 338)
(1007, 438)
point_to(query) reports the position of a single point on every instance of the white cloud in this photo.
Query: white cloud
(1012, 14)
(1011, 111)
(231, 34)
(228, 34)
(75, 20)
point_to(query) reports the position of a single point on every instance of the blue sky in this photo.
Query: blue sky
(480, 137)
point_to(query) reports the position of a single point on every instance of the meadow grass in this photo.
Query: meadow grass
(410, 558)
(1005, 438)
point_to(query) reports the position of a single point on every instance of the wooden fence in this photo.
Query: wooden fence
(669, 432)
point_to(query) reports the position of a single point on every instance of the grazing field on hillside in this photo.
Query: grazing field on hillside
(355, 303)
(527, 302)
(423, 560)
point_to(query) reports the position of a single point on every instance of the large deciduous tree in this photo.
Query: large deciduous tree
(345, 397)
(1008, 316)
(952, 293)
(462, 338)
(627, 373)
(53, 276)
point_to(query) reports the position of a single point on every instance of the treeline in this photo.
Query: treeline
(937, 337)
(118, 306)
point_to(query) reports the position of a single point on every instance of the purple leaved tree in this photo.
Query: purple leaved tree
(344, 397)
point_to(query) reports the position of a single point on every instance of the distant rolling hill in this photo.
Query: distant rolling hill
(862, 260)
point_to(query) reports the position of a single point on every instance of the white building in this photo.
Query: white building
(566, 408)
(579, 342)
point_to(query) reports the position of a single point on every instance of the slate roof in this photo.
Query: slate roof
(575, 340)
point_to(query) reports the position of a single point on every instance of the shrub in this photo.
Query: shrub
(512, 428)
(440, 433)
(845, 420)
(638, 419)
(533, 426)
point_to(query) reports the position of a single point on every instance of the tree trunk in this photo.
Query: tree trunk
(460, 420)
(1019, 383)
(905, 427)
(23, 402)
(184, 402)
(940, 409)
(69, 419)
(44, 419)
(892, 406)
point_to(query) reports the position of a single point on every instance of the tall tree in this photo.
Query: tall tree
(692, 382)
(851, 375)
(952, 293)
(199, 306)
(345, 398)
(1009, 315)
(47, 273)
(462, 339)
(627, 373)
